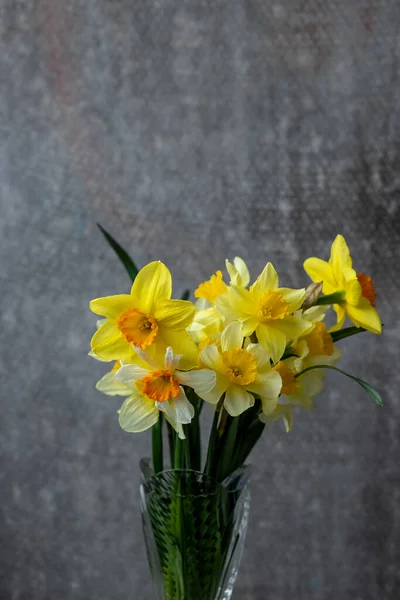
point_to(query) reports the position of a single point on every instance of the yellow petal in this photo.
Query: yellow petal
(242, 302)
(249, 325)
(232, 336)
(273, 340)
(293, 297)
(178, 314)
(211, 357)
(262, 358)
(109, 344)
(111, 306)
(267, 386)
(138, 413)
(238, 272)
(309, 385)
(267, 280)
(353, 291)
(152, 283)
(365, 315)
(341, 317)
(320, 270)
(237, 400)
(214, 395)
(282, 411)
(181, 343)
(293, 327)
(340, 256)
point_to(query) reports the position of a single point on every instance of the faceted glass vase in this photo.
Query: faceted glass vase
(194, 529)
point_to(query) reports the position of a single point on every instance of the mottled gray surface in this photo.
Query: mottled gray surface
(193, 131)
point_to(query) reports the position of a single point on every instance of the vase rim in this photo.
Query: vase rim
(232, 483)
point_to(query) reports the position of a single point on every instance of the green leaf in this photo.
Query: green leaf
(185, 295)
(346, 332)
(121, 253)
(335, 298)
(367, 387)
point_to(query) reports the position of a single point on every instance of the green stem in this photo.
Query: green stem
(157, 445)
(346, 332)
(178, 459)
(209, 468)
(186, 448)
(171, 443)
(227, 448)
(335, 298)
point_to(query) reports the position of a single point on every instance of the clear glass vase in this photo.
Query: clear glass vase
(194, 530)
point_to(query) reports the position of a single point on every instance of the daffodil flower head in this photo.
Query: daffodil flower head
(315, 348)
(212, 288)
(358, 291)
(146, 318)
(158, 388)
(215, 287)
(266, 310)
(240, 373)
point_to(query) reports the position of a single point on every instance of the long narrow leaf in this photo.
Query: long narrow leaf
(121, 253)
(346, 332)
(185, 295)
(367, 387)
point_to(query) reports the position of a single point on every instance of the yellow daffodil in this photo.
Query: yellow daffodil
(266, 310)
(154, 389)
(208, 322)
(207, 325)
(338, 276)
(211, 289)
(240, 372)
(146, 318)
(315, 348)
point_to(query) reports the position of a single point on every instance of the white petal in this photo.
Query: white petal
(178, 409)
(131, 373)
(237, 400)
(171, 360)
(177, 426)
(93, 354)
(202, 381)
(232, 336)
(110, 385)
(138, 413)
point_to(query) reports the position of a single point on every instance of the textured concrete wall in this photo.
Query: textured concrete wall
(193, 131)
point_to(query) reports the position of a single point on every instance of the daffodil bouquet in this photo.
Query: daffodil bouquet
(252, 352)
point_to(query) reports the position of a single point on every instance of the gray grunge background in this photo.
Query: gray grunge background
(193, 131)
